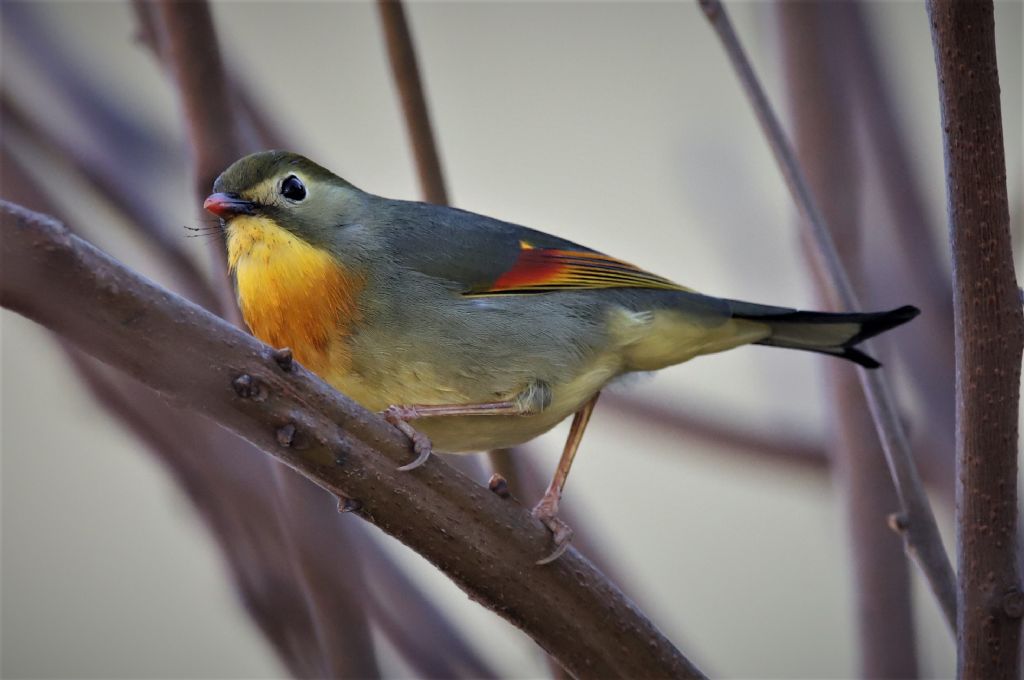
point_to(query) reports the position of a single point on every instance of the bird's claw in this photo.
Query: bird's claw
(561, 532)
(421, 446)
(398, 416)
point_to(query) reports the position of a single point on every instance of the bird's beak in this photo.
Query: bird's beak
(226, 206)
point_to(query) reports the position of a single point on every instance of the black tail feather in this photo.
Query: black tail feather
(870, 323)
(880, 322)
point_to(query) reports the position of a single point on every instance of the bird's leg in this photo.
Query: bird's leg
(399, 416)
(547, 509)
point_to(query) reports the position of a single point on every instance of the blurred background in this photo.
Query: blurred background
(618, 125)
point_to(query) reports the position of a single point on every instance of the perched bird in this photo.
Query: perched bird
(483, 333)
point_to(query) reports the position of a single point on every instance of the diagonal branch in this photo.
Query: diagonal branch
(393, 601)
(815, 47)
(785, 448)
(100, 173)
(255, 542)
(233, 489)
(989, 339)
(922, 273)
(485, 544)
(184, 37)
(917, 522)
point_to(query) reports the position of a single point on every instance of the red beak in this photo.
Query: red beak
(226, 206)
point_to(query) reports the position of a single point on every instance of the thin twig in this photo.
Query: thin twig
(486, 544)
(402, 56)
(123, 195)
(785, 448)
(922, 272)
(989, 339)
(920, 532)
(814, 44)
(126, 135)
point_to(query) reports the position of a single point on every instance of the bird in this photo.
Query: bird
(466, 332)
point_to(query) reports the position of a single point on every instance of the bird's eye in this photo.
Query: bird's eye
(293, 189)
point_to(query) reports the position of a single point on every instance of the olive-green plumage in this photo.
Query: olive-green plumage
(433, 305)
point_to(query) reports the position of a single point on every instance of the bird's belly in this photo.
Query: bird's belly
(467, 434)
(419, 386)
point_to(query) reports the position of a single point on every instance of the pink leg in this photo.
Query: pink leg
(547, 509)
(399, 416)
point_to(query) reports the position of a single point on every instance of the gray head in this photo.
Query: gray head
(288, 189)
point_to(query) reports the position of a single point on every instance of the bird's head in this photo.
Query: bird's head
(284, 190)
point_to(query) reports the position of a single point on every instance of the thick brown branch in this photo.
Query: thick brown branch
(183, 36)
(402, 56)
(989, 339)
(485, 544)
(185, 39)
(233, 488)
(921, 534)
(814, 49)
(237, 499)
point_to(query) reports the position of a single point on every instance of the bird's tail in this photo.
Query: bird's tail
(824, 332)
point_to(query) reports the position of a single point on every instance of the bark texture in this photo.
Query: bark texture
(989, 340)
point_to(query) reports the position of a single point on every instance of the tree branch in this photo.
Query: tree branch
(814, 43)
(420, 632)
(222, 474)
(788, 449)
(485, 544)
(917, 266)
(989, 339)
(213, 467)
(184, 38)
(405, 70)
(920, 532)
(104, 178)
(203, 87)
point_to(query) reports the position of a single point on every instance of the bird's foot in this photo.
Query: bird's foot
(399, 417)
(547, 512)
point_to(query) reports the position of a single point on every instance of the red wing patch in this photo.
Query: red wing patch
(539, 270)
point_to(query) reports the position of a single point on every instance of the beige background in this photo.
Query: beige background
(618, 125)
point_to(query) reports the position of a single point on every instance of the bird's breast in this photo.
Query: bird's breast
(293, 294)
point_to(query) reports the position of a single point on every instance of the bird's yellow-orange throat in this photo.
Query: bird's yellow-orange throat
(293, 294)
